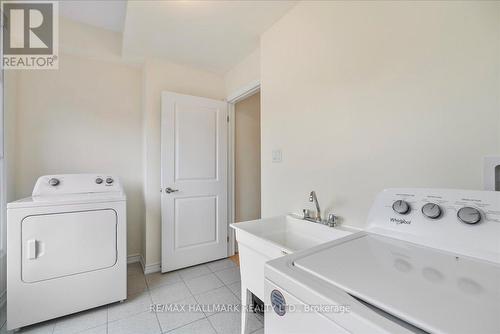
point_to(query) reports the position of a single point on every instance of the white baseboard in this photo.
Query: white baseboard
(134, 258)
(152, 268)
(149, 269)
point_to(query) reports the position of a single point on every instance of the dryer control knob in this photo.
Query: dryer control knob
(54, 182)
(469, 215)
(431, 210)
(401, 207)
(99, 180)
(109, 180)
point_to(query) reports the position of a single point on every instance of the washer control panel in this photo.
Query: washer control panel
(76, 184)
(456, 219)
(431, 210)
(401, 207)
(469, 215)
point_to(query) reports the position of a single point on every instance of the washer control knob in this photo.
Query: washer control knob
(401, 207)
(109, 180)
(99, 180)
(469, 215)
(431, 210)
(54, 182)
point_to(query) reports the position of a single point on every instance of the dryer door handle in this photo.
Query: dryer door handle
(31, 249)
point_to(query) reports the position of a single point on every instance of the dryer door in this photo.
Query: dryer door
(69, 243)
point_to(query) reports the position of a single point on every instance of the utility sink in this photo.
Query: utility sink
(290, 233)
(262, 240)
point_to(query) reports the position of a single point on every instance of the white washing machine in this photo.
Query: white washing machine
(66, 248)
(429, 262)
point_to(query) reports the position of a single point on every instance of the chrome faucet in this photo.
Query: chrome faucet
(332, 219)
(314, 198)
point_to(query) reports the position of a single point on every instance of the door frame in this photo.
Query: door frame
(241, 94)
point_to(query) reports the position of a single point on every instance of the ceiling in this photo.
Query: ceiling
(105, 14)
(209, 35)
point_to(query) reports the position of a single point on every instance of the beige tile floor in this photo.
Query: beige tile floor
(216, 282)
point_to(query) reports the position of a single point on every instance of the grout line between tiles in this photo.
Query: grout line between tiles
(192, 294)
(127, 317)
(225, 285)
(214, 271)
(196, 300)
(213, 327)
(158, 322)
(186, 324)
(255, 331)
(107, 318)
(148, 290)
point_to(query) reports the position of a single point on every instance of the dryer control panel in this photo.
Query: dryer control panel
(63, 184)
(465, 221)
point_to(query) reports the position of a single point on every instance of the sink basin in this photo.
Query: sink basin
(262, 240)
(291, 233)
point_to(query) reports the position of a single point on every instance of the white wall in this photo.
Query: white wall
(361, 96)
(88, 41)
(107, 108)
(247, 158)
(84, 117)
(244, 73)
(8, 99)
(10, 121)
(165, 76)
(8, 179)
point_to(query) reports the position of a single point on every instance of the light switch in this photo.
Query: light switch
(277, 156)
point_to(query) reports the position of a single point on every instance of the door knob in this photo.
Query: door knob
(169, 190)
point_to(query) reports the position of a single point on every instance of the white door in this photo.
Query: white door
(194, 180)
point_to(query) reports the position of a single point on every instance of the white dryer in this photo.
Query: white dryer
(429, 262)
(66, 248)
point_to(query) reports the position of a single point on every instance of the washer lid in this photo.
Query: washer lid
(436, 291)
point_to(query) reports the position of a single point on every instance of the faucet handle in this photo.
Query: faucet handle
(332, 220)
(306, 213)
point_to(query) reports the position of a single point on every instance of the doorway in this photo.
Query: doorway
(246, 183)
(247, 159)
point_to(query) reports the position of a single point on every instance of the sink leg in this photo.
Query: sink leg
(245, 302)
